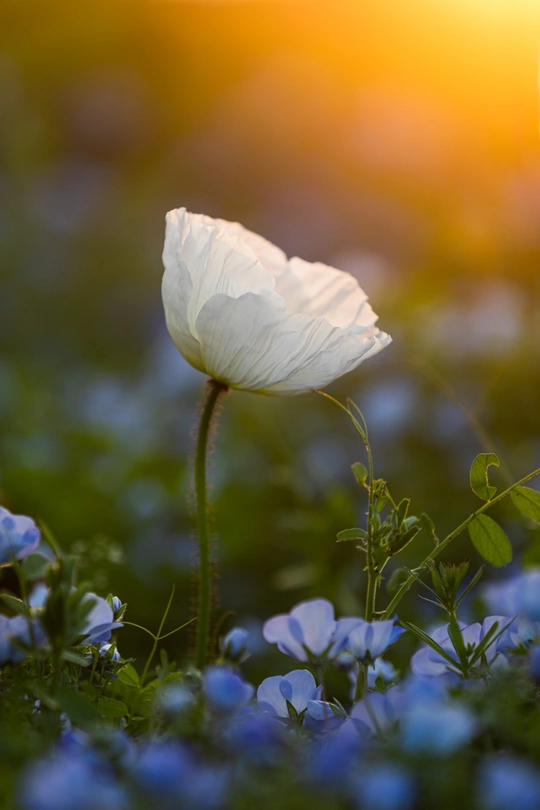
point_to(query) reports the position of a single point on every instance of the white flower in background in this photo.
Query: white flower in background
(240, 311)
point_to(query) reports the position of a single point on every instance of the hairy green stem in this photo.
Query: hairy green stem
(214, 390)
(447, 540)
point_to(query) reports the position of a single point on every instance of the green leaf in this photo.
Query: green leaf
(527, 501)
(399, 576)
(13, 602)
(110, 707)
(128, 675)
(360, 473)
(34, 567)
(75, 658)
(479, 475)
(429, 641)
(490, 540)
(427, 524)
(77, 707)
(351, 534)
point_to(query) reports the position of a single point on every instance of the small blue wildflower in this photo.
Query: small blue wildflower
(373, 716)
(175, 698)
(100, 622)
(256, 736)
(506, 781)
(104, 649)
(367, 640)
(517, 595)
(160, 768)
(384, 787)
(71, 781)
(437, 729)
(321, 717)
(534, 663)
(306, 632)
(281, 696)
(116, 603)
(331, 759)
(225, 691)
(17, 635)
(428, 661)
(234, 645)
(19, 536)
(380, 670)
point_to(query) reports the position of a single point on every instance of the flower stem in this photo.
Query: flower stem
(447, 540)
(371, 569)
(214, 390)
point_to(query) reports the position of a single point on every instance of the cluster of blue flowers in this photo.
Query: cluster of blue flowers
(210, 740)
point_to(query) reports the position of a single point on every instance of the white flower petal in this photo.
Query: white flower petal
(319, 290)
(217, 261)
(238, 310)
(252, 343)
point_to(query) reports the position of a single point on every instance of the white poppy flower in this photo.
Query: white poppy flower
(240, 311)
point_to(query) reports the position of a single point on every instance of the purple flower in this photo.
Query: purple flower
(366, 640)
(225, 691)
(19, 536)
(306, 633)
(283, 696)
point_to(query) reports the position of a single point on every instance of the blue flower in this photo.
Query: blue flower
(307, 632)
(367, 640)
(384, 787)
(283, 696)
(381, 669)
(19, 536)
(517, 595)
(428, 661)
(373, 716)
(322, 717)
(225, 691)
(256, 736)
(436, 728)
(534, 663)
(175, 698)
(331, 758)
(19, 629)
(507, 782)
(168, 773)
(116, 603)
(161, 768)
(234, 645)
(99, 623)
(71, 780)
(104, 649)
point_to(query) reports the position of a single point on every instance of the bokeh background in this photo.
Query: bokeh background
(396, 139)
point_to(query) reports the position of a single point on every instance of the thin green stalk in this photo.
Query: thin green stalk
(157, 638)
(372, 575)
(371, 593)
(215, 389)
(444, 543)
